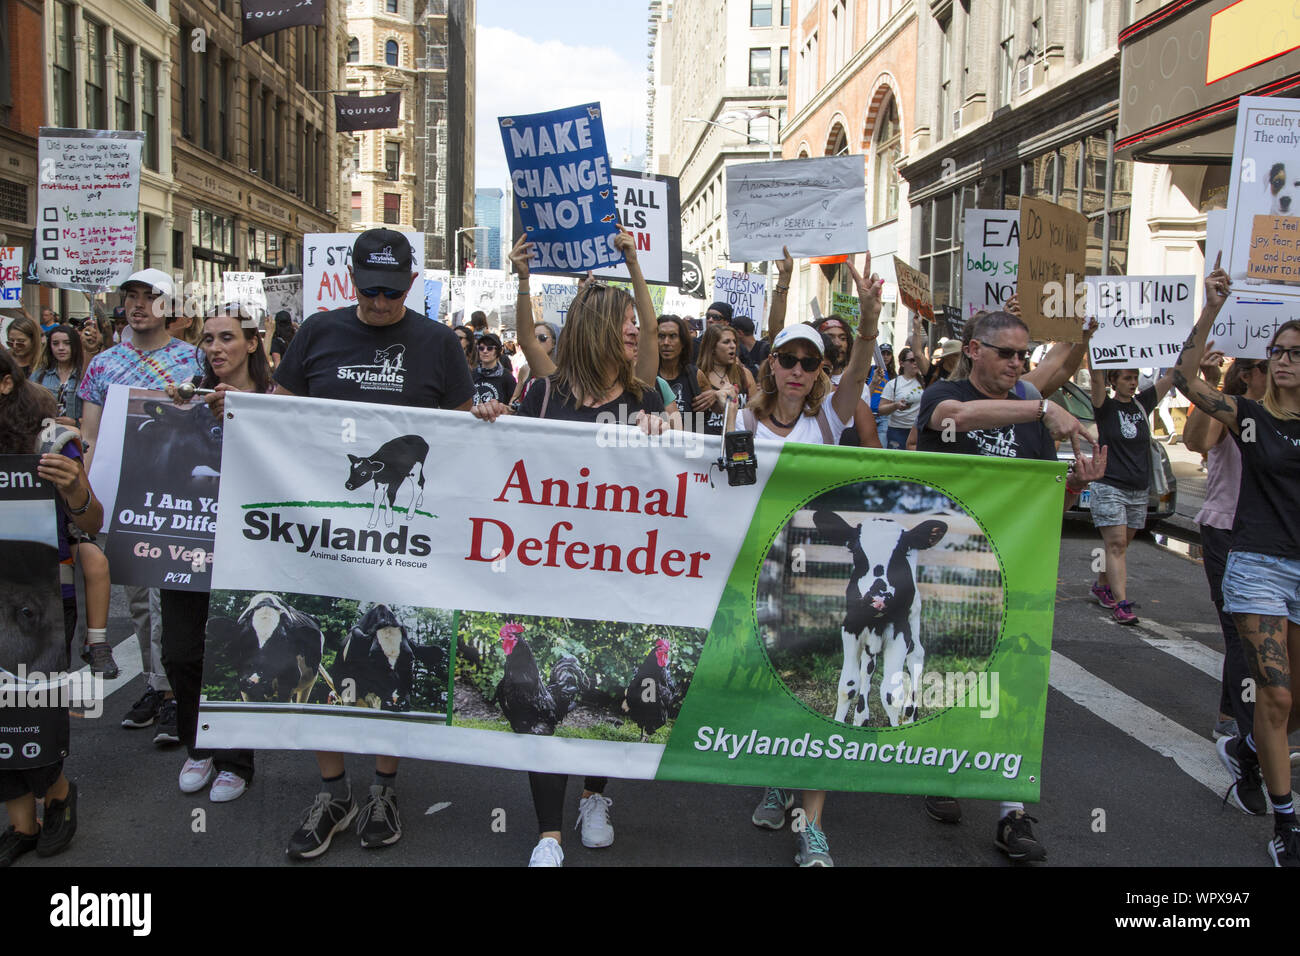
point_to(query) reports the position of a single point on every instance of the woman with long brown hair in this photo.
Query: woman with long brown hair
(25, 343)
(721, 378)
(62, 373)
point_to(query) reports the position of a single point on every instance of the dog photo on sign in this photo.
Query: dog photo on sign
(880, 603)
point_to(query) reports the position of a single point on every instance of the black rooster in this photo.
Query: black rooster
(649, 699)
(530, 706)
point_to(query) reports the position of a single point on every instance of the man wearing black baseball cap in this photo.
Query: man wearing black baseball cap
(382, 352)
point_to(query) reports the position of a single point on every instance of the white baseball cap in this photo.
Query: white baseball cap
(156, 279)
(796, 333)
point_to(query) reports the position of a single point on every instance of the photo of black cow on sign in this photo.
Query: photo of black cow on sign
(391, 467)
(176, 448)
(310, 649)
(880, 603)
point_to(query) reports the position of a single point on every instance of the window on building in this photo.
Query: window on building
(760, 67)
(277, 160)
(356, 207)
(390, 53)
(212, 248)
(760, 13)
(254, 127)
(1007, 53)
(785, 65)
(392, 208)
(187, 82)
(945, 77)
(840, 34)
(65, 106)
(354, 50)
(356, 153)
(806, 81)
(123, 84)
(390, 6)
(785, 13)
(149, 111)
(392, 161)
(225, 91)
(299, 149)
(266, 137)
(887, 148)
(96, 79)
(203, 64)
(1094, 28)
(265, 250)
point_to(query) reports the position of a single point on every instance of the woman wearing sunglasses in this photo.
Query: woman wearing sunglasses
(901, 398)
(492, 383)
(1205, 434)
(547, 335)
(796, 402)
(1261, 581)
(1119, 498)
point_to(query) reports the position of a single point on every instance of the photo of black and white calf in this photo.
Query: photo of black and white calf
(397, 464)
(875, 599)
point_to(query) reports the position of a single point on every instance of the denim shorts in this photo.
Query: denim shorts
(1113, 506)
(1262, 584)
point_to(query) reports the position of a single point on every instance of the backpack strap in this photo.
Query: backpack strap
(546, 396)
(824, 424)
(748, 419)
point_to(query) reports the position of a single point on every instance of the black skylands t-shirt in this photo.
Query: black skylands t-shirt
(559, 407)
(1029, 440)
(415, 362)
(1123, 429)
(497, 385)
(1268, 506)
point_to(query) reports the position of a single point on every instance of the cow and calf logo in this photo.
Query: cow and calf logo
(394, 466)
(387, 373)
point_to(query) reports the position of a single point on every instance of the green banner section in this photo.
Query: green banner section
(953, 649)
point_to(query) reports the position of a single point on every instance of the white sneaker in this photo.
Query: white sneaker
(195, 775)
(593, 818)
(547, 853)
(228, 786)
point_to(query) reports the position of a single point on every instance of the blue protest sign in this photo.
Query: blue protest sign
(560, 171)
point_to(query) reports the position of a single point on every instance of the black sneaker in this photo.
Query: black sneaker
(14, 844)
(144, 711)
(167, 733)
(943, 809)
(100, 658)
(324, 818)
(1015, 838)
(59, 825)
(1284, 848)
(378, 822)
(1247, 790)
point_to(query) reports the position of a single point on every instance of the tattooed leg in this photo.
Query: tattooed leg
(1264, 640)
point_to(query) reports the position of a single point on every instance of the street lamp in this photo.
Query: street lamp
(458, 232)
(747, 115)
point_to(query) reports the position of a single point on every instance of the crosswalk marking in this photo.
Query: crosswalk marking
(1204, 659)
(129, 665)
(1193, 754)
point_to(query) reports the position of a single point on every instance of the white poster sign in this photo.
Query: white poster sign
(817, 207)
(87, 207)
(284, 294)
(991, 259)
(745, 292)
(1248, 320)
(244, 289)
(1261, 249)
(492, 292)
(328, 285)
(557, 295)
(1142, 320)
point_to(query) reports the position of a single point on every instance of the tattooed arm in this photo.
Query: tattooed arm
(1201, 394)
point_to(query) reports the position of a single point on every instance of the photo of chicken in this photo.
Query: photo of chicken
(650, 698)
(530, 706)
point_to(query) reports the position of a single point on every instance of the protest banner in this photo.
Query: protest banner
(625, 572)
(11, 276)
(556, 296)
(284, 294)
(327, 284)
(245, 290)
(746, 293)
(493, 292)
(33, 655)
(263, 17)
(156, 470)
(1142, 321)
(564, 196)
(1249, 319)
(1053, 260)
(914, 289)
(992, 259)
(1260, 250)
(88, 206)
(815, 206)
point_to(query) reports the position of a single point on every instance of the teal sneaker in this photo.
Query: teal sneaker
(772, 809)
(813, 850)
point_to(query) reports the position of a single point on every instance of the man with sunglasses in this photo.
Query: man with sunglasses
(983, 415)
(382, 352)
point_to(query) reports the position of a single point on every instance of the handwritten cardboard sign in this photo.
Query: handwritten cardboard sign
(88, 206)
(1142, 321)
(556, 297)
(326, 282)
(1053, 259)
(817, 207)
(991, 259)
(244, 291)
(914, 289)
(1275, 249)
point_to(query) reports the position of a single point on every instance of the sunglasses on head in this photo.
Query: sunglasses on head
(788, 361)
(392, 295)
(1005, 354)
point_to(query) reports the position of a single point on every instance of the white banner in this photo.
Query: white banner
(11, 276)
(328, 285)
(87, 207)
(991, 259)
(817, 207)
(1142, 321)
(744, 292)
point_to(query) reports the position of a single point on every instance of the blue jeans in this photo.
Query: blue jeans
(897, 437)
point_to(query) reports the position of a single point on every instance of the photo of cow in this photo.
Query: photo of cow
(169, 449)
(307, 649)
(879, 599)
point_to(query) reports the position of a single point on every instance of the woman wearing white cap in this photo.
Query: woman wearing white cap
(795, 402)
